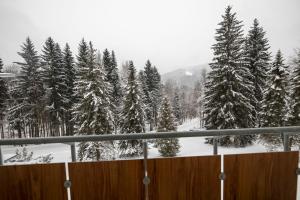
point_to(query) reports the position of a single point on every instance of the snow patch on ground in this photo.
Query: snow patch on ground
(189, 147)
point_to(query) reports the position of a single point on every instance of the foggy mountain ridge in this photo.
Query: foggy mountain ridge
(185, 75)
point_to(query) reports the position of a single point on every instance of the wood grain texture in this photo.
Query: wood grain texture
(33, 182)
(107, 180)
(261, 176)
(185, 178)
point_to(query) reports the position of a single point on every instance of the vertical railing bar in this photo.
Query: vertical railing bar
(73, 152)
(1, 156)
(146, 179)
(286, 145)
(215, 145)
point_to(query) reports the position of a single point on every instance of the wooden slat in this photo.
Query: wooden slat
(191, 178)
(185, 178)
(33, 182)
(261, 176)
(107, 180)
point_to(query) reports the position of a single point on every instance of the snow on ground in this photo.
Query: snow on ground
(189, 147)
(196, 145)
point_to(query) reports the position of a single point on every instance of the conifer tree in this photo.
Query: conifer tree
(151, 89)
(176, 107)
(30, 107)
(92, 113)
(16, 107)
(275, 98)
(196, 100)
(294, 118)
(229, 90)
(167, 147)
(3, 99)
(257, 58)
(107, 62)
(70, 77)
(132, 116)
(54, 79)
(116, 94)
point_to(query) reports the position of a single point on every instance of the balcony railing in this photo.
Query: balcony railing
(188, 178)
(285, 131)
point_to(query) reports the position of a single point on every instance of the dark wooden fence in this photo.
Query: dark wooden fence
(33, 182)
(261, 176)
(248, 176)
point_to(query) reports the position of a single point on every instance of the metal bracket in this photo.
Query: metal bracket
(222, 176)
(146, 180)
(67, 184)
(298, 171)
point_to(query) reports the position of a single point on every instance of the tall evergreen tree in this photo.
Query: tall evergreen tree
(3, 99)
(106, 60)
(31, 106)
(116, 94)
(167, 147)
(294, 118)
(275, 98)
(196, 101)
(151, 89)
(229, 90)
(54, 79)
(183, 102)
(257, 58)
(70, 77)
(132, 116)
(177, 107)
(92, 113)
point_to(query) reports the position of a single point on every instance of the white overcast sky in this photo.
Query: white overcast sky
(171, 33)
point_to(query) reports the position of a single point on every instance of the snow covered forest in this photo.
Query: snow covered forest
(61, 93)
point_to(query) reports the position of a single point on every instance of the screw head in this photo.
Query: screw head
(146, 180)
(67, 184)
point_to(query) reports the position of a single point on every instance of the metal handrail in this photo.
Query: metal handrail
(286, 131)
(143, 136)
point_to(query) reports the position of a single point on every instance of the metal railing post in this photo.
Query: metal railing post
(215, 144)
(1, 157)
(286, 142)
(146, 179)
(73, 152)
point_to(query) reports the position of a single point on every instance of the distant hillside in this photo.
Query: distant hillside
(185, 76)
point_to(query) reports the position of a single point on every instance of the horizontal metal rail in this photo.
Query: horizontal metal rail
(285, 131)
(136, 136)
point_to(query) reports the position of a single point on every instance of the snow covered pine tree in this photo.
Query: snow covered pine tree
(30, 106)
(70, 77)
(294, 118)
(275, 98)
(53, 75)
(151, 87)
(229, 90)
(92, 113)
(112, 76)
(257, 59)
(3, 100)
(132, 116)
(167, 147)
